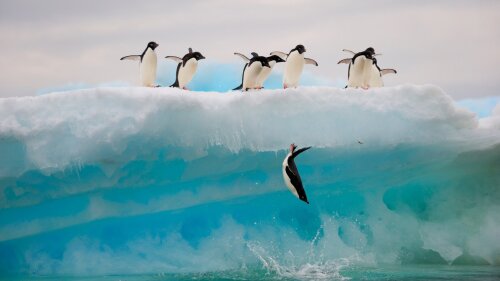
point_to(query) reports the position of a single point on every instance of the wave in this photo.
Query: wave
(96, 180)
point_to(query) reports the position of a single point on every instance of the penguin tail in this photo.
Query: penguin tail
(175, 85)
(238, 88)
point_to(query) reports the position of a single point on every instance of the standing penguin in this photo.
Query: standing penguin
(291, 174)
(376, 74)
(186, 68)
(147, 66)
(264, 74)
(295, 61)
(251, 71)
(360, 67)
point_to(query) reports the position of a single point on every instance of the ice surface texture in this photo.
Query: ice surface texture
(94, 181)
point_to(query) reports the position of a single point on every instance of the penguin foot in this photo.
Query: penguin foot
(365, 88)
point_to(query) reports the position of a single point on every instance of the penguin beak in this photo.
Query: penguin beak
(202, 57)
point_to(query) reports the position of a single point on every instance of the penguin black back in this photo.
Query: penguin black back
(191, 55)
(176, 83)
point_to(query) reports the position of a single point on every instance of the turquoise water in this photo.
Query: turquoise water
(154, 184)
(404, 273)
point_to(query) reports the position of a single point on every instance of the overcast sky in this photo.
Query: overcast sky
(451, 43)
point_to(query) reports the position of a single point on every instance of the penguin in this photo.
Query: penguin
(295, 61)
(186, 68)
(251, 71)
(291, 174)
(376, 74)
(360, 64)
(147, 66)
(265, 72)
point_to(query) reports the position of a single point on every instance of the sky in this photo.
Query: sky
(55, 44)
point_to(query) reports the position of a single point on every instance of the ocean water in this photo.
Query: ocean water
(164, 184)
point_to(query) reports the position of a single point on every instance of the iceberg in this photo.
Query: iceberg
(93, 181)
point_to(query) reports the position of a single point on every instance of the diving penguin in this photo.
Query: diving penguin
(147, 66)
(186, 68)
(294, 65)
(251, 71)
(291, 174)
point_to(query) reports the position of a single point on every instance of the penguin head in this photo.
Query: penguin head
(369, 53)
(292, 147)
(152, 45)
(264, 62)
(198, 56)
(300, 48)
(275, 58)
(303, 198)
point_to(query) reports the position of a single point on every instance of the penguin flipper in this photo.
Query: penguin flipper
(310, 61)
(245, 58)
(349, 51)
(387, 71)
(174, 58)
(131, 57)
(280, 54)
(299, 151)
(346, 61)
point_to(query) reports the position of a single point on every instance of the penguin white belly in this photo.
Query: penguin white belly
(186, 72)
(287, 179)
(375, 77)
(293, 69)
(148, 69)
(264, 74)
(250, 75)
(357, 73)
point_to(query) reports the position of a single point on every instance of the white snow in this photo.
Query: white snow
(96, 125)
